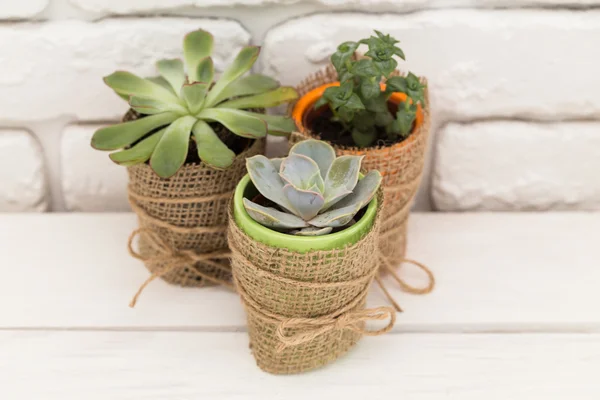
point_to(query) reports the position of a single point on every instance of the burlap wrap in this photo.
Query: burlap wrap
(183, 219)
(305, 309)
(401, 166)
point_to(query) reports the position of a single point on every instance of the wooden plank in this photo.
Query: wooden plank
(499, 272)
(190, 365)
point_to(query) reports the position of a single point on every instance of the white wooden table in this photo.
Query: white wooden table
(515, 315)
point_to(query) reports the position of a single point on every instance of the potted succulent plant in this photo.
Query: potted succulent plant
(363, 106)
(303, 233)
(184, 143)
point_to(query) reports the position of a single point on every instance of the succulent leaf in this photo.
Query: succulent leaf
(307, 204)
(237, 121)
(205, 71)
(211, 149)
(197, 45)
(363, 192)
(273, 218)
(248, 85)
(267, 181)
(121, 135)
(173, 72)
(341, 178)
(277, 163)
(139, 153)
(263, 100)
(334, 218)
(194, 95)
(299, 171)
(242, 64)
(126, 83)
(312, 231)
(171, 151)
(150, 106)
(159, 80)
(277, 125)
(322, 153)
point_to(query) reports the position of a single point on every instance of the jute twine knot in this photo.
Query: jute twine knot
(311, 328)
(171, 259)
(168, 259)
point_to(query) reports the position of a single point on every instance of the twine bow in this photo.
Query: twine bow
(310, 328)
(171, 260)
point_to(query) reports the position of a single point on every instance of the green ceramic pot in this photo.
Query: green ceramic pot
(297, 243)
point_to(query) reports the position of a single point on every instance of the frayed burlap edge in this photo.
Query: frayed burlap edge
(183, 220)
(402, 167)
(305, 310)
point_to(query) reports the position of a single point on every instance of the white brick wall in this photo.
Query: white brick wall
(504, 75)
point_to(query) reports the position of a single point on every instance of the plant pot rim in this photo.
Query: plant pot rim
(306, 102)
(301, 244)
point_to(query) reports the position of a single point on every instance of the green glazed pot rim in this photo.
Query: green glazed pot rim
(270, 237)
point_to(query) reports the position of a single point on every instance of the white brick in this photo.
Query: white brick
(90, 180)
(22, 178)
(515, 166)
(56, 68)
(132, 6)
(21, 8)
(525, 63)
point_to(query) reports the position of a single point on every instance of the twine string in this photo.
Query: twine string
(171, 260)
(311, 328)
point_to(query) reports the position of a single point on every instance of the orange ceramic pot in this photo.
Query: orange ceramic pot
(303, 112)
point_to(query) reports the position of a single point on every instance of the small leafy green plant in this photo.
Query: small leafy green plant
(359, 104)
(314, 192)
(180, 107)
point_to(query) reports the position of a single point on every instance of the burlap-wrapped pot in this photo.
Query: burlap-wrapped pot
(183, 219)
(305, 309)
(400, 164)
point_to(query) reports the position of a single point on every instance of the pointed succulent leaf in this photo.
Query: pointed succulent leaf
(171, 151)
(194, 95)
(173, 72)
(159, 80)
(299, 170)
(248, 85)
(312, 231)
(363, 192)
(197, 45)
(120, 135)
(242, 63)
(211, 149)
(239, 122)
(150, 106)
(264, 100)
(344, 52)
(320, 152)
(129, 84)
(364, 138)
(267, 181)
(341, 178)
(139, 153)
(306, 203)
(277, 125)
(334, 218)
(205, 71)
(271, 217)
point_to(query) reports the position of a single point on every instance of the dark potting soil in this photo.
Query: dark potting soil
(332, 131)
